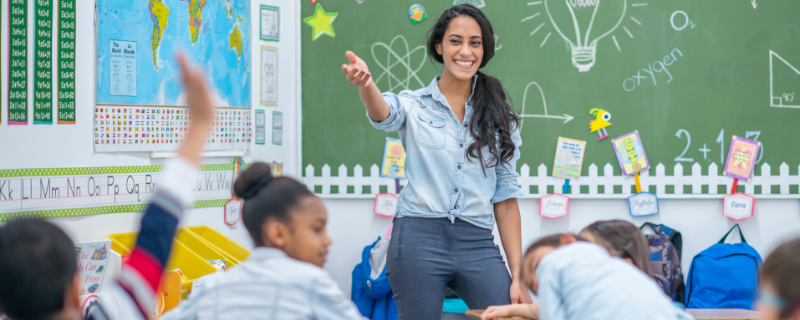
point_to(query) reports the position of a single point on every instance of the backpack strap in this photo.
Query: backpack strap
(651, 225)
(731, 230)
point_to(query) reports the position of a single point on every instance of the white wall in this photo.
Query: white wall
(58, 146)
(352, 226)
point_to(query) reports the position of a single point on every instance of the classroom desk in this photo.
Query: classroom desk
(698, 314)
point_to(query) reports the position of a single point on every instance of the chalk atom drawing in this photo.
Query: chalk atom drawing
(524, 115)
(404, 62)
(786, 93)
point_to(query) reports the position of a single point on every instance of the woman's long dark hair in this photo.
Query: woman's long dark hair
(492, 116)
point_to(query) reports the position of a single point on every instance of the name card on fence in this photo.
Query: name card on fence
(738, 206)
(643, 204)
(385, 205)
(553, 206)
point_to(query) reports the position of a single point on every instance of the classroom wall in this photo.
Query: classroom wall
(352, 225)
(62, 146)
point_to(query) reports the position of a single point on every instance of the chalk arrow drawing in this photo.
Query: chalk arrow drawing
(404, 61)
(523, 115)
(785, 97)
(754, 3)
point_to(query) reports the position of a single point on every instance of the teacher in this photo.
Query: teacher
(462, 146)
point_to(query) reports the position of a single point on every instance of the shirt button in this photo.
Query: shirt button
(465, 125)
(461, 145)
(459, 167)
(431, 122)
(456, 190)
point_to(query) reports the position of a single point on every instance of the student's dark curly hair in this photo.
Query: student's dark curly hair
(493, 120)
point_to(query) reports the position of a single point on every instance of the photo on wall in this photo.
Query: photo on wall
(269, 76)
(270, 23)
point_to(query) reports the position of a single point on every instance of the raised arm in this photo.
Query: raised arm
(358, 74)
(141, 275)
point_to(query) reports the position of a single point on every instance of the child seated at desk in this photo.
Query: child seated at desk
(621, 239)
(283, 276)
(780, 291)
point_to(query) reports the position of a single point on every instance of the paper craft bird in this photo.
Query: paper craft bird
(600, 122)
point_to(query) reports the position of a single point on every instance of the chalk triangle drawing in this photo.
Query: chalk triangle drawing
(784, 98)
(524, 115)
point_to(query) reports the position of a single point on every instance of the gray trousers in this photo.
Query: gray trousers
(426, 255)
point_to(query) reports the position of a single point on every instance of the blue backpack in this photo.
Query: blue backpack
(724, 276)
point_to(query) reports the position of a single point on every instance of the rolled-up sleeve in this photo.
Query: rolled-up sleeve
(507, 178)
(398, 104)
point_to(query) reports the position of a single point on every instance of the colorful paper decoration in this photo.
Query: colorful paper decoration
(600, 122)
(417, 13)
(394, 159)
(92, 260)
(233, 211)
(385, 205)
(738, 206)
(277, 169)
(313, 2)
(741, 159)
(553, 206)
(630, 153)
(321, 23)
(569, 158)
(643, 204)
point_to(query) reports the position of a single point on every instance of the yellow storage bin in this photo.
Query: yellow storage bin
(190, 263)
(232, 250)
(201, 247)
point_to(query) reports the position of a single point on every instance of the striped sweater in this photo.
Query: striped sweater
(134, 292)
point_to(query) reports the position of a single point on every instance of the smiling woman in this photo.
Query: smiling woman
(462, 145)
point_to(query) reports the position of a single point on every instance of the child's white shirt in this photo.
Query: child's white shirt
(582, 281)
(268, 285)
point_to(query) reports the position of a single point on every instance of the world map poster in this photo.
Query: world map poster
(138, 75)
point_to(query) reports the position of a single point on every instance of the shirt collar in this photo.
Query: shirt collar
(433, 89)
(266, 253)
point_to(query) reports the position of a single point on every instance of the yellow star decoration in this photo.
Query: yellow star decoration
(321, 23)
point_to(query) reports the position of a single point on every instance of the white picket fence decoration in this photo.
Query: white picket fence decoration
(608, 180)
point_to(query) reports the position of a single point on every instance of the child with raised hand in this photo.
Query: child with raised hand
(38, 272)
(283, 276)
(780, 283)
(620, 239)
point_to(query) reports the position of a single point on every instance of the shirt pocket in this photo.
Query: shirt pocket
(431, 132)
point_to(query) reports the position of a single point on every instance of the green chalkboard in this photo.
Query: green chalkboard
(719, 68)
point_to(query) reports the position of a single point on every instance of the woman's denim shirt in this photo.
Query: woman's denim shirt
(442, 181)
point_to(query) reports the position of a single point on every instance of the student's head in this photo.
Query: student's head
(622, 239)
(463, 40)
(780, 290)
(38, 267)
(537, 251)
(280, 212)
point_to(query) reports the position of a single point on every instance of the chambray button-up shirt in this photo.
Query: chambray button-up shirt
(442, 181)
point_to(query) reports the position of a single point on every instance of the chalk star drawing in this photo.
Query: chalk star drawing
(523, 115)
(582, 47)
(785, 97)
(321, 23)
(404, 61)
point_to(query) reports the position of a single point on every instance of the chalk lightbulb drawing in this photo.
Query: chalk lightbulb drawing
(584, 50)
(591, 21)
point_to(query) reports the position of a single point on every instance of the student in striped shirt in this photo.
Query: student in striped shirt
(38, 272)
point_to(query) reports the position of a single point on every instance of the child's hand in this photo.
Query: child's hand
(529, 311)
(357, 71)
(197, 95)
